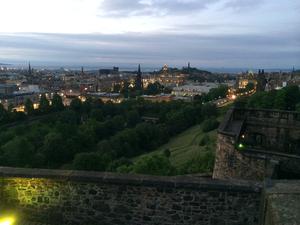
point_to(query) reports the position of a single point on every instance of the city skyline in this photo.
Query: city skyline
(219, 33)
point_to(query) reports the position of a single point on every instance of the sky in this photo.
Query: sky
(207, 33)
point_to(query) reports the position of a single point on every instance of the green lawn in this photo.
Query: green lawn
(185, 146)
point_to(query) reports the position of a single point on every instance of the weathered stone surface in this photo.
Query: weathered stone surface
(282, 203)
(265, 136)
(60, 197)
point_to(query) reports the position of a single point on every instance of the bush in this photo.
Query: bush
(204, 140)
(154, 165)
(90, 161)
(167, 153)
(210, 124)
(202, 163)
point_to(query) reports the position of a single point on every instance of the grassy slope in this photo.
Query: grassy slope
(185, 145)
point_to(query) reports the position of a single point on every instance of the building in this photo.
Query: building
(8, 89)
(191, 90)
(158, 98)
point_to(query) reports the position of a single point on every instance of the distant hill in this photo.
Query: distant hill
(4, 64)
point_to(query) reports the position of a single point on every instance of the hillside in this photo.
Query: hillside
(191, 151)
(186, 146)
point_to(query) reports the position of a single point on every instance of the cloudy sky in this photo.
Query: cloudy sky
(208, 33)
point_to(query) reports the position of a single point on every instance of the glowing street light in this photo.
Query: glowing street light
(7, 221)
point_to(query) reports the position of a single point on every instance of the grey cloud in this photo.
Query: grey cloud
(225, 50)
(152, 7)
(240, 5)
(126, 8)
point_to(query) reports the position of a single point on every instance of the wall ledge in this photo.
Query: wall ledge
(133, 179)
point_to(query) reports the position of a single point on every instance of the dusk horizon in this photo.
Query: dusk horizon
(211, 34)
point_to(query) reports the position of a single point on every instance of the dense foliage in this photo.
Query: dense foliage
(93, 135)
(213, 94)
(287, 98)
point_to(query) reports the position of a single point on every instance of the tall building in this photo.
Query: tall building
(139, 82)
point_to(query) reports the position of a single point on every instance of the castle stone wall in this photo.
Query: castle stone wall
(251, 142)
(90, 198)
(232, 164)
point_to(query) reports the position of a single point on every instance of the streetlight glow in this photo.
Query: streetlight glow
(7, 221)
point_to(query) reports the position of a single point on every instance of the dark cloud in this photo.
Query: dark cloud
(226, 50)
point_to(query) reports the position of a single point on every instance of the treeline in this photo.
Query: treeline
(213, 94)
(10, 115)
(92, 135)
(287, 98)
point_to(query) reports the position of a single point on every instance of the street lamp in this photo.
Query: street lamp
(7, 220)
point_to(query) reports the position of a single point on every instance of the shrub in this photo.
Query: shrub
(204, 140)
(154, 165)
(90, 161)
(210, 124)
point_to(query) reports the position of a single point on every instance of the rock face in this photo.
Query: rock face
(72, 197)
(253, 144)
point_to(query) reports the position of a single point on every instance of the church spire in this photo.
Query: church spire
(29, 69)
(139, 82)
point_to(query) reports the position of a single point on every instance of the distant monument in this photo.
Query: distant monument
(29, 69)
(139, 82)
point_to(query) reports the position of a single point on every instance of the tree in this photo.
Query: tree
(91, 161)
(29, 109)
(133, 118)
(167, 153)
(216, 93)
(154, 88)
(280, 100)
(55, 150)
(250, 86)
(44, 106)
(18, 152)
(3, 114)
(241, 102)
(57, 103)
(86, 106)
(201, 163)
(298, 107)
(292, 97)
(97, 114)
(209, 110)
(210, 124)
(117, 88)
(154, 165)
(76, 105)
(125, 89)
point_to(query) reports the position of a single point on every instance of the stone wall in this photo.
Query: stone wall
(281, 203)
(251, 141)
(90, 198)
(232, 164)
